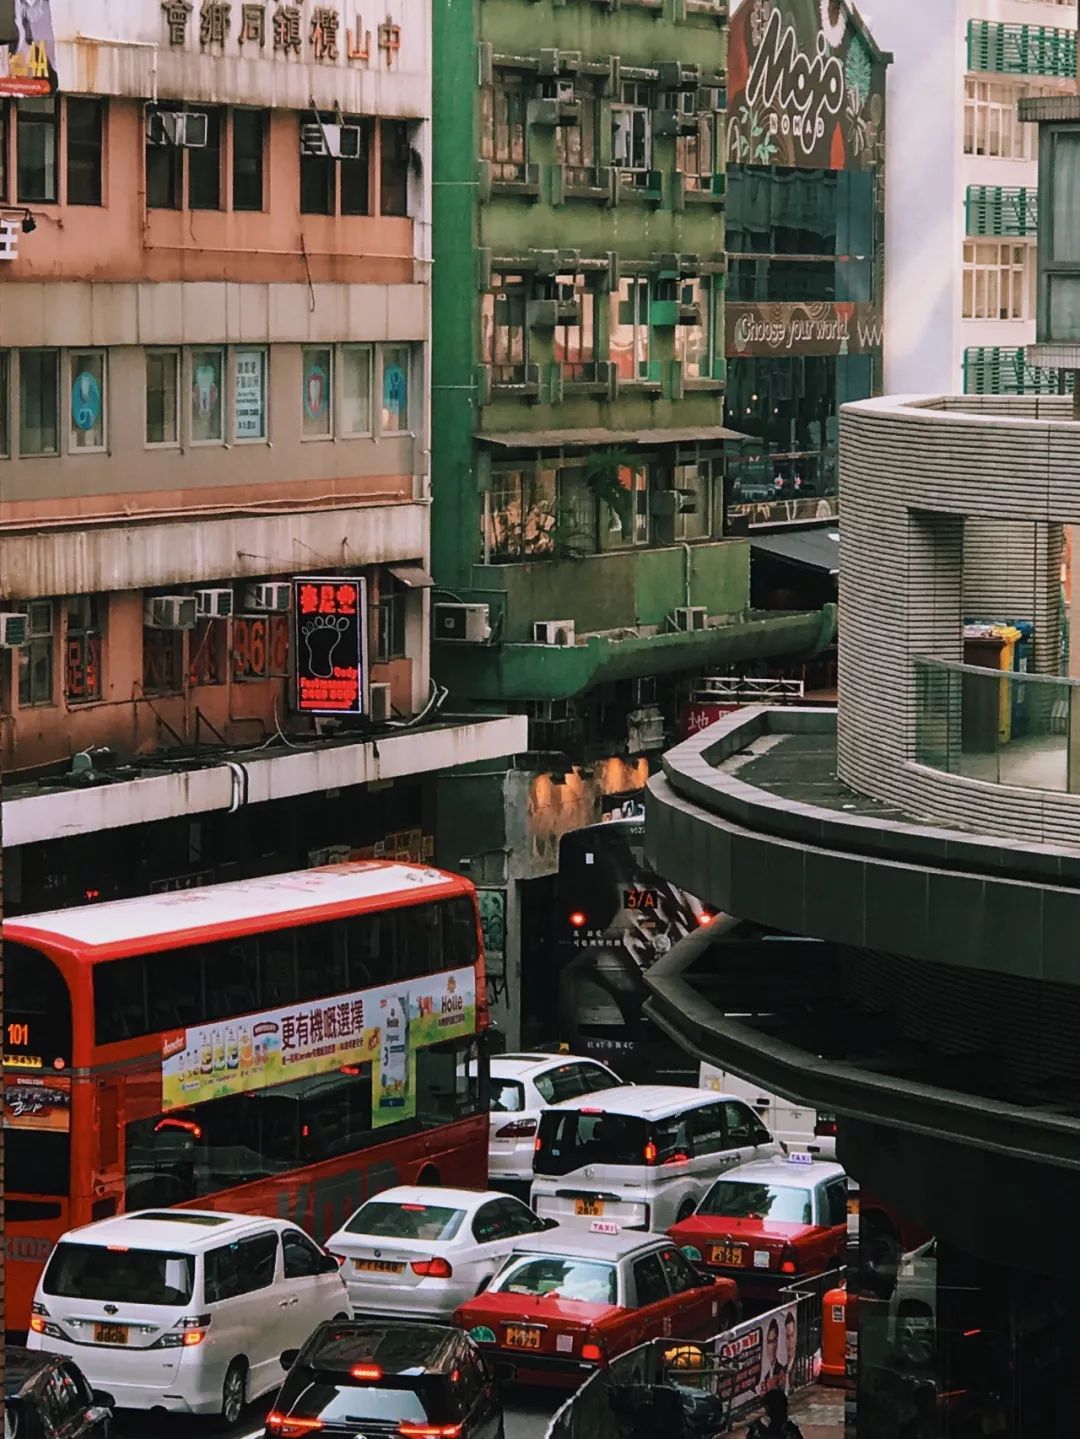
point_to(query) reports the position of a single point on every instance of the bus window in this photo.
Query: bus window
(37, 1161)
(370, 962)
(323, 965)
(277, 969)
(419, 941)
(445, 1089)
(459, 934)
(37, 1007)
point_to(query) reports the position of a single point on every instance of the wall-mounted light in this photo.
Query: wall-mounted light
(29, 224)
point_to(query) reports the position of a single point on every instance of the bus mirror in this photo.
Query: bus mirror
(289, 1358)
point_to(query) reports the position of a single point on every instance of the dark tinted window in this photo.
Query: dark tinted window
(571, 1139)
(502, 1219)
(301, 1257)
(835, 1206)
(36, 1162)
(341, 1404)
(85, 123)
(597, 1078)
(649, 1280)
(247, 159)
(736, 1199)
(710, 1132)
(128, 1276)
(240, 1267)
(742, 1125)
(204, 167)
(37, 1006)
(394, 167)
(680, 1273)
(354, 175)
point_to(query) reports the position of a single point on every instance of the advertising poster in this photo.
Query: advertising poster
(762, 1352)
(331, 649)
(383, 1027)
(38, 1104)
(249, 395)
(27, 48)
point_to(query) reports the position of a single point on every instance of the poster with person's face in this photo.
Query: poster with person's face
(761, 1355)
(27, 48)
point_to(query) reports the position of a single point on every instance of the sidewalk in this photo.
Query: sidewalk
(818, 1411)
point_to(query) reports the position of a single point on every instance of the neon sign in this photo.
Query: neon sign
(331, 648)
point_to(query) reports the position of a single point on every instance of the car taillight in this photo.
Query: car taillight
(517, 1129)
(649, 1152)
(825, 1128)
(787, 1262)
(366, 1371)
(592, 1353)
(538, 1144)
(286, 1427)
(339, 1259)
(430, 1431)
(40, 1323)
(679, 1158)
(432, 1268)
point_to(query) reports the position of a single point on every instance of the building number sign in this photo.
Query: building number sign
(287, 28)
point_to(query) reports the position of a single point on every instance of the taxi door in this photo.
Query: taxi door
(831, 1202)
(652, 1310)
(693, 1307)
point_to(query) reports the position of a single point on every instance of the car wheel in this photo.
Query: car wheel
(686, 1208)
(234, 1393)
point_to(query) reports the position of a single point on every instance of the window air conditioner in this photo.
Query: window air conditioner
(379, 708)
(263, 597)
(169, 612)
(689, 617)
(14, 630)
(463, 624)
(184, 128)
(553, 632)
(214, 604)
(645, 730)
(341, 142)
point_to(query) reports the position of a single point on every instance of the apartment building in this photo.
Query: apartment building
(214, 418)
(963, 207)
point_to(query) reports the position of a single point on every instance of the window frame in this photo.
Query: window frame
(321, 436)
(54, 351)
(504, 126)
(92, 656)
(100, 106)
(6, 368)
(46, 640)
(263, 352)
(174, 666)
(639, 298)
(396, 347)
(640, 517)
(223, 400)
(1009, 276)
(402, 147)
(260, 113)
(391, 611)
(178, 366)
(347, 349)
(102, 354)
(623, 111)
(55, 124)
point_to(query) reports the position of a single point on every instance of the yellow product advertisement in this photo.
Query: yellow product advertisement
(382, 1026)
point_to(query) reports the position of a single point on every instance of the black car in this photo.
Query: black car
(386, 1378)
(46, 1397)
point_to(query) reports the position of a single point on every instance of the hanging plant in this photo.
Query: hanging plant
(601, 474)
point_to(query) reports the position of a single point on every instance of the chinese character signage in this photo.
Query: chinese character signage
(325, 34)
(331, 645)
(700, 715)
(382, 1027)
(27, 48)
(37, 1104)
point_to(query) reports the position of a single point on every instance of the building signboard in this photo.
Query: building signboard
(331, 645)
(806, 328)
(27, 48)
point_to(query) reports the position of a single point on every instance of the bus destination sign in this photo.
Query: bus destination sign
(331, 644)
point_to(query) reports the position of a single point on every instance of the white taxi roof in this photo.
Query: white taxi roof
(646, 1101)
(795, 1171)
(578, 1242)
(520, 1066)
(183, 911)
(187, 1230)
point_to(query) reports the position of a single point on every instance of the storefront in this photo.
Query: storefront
(805, 226)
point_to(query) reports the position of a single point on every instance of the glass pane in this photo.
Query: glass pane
(36, 136)
(316, 185)
(355, 188)
(1063, 308)
(5, 399)
(247, 160)
(1065, 198)
(249, 395)
(204, 167)
(356, 390)
(38, 419)
(206, 409)
(84, 127)
(394, 167)
(87, 401)
(316, 393)
(395, 388)
(161, 376)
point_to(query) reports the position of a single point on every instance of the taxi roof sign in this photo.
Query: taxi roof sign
(604, 1226)
(800, 1158)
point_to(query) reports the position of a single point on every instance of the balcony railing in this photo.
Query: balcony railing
(999, 726)
(1021, 49)
(994, 370)
(1002, 210)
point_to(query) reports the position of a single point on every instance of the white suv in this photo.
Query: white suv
(522, 1085)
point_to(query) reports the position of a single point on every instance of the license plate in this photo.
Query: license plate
(377, 1266)
(518, 1337)
(110, 1334)
(729, 1254)
(591, 1208)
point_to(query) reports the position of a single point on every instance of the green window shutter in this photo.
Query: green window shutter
(1002, 210)
(1021, 49)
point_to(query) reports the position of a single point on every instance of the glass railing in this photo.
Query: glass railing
(999, 726)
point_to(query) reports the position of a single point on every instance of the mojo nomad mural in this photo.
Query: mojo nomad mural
(806, 87)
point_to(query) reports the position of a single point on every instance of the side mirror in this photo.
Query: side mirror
(705, 1277)
(329, 1265)
(289, 1358)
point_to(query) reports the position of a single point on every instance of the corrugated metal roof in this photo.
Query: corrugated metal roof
(569, 439)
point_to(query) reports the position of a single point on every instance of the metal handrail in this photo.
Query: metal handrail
(1024, 676)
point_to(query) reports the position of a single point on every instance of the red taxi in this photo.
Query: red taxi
(565, 1303)
(770, 1222)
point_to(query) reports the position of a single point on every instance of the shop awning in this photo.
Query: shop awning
(411, 576)
(806, 549)
(570, 439)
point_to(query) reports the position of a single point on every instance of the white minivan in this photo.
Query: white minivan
(797, 1124)
(184, 1309)
(640, 1156)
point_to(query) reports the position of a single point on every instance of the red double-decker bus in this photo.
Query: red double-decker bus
(287, 1045)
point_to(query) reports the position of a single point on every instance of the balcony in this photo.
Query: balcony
(1001, 210)
(1021, 49)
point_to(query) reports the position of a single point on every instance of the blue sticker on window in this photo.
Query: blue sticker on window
(85, 401)
(394, 385)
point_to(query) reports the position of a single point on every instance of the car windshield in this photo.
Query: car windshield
(127, 1276)
(507, 1096)
(737, 1199)
(406, 1221)
(566, 1278)
(336, 1403)
(572, 1138)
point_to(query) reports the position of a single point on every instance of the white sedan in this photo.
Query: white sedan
(420, 1252)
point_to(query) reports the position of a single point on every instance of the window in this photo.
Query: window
(355, 390)
(85, 131)
(207, 369)
(163, 661)
(520, 514)
(680, 1273)
(5, 391)
(394, 413)
(302, 1258)
(394, 151)
(354, 181)
(36, 656)
(39, 423)
(999, 280)
(207, 663)
(249, 395)
(649, 1280)
(36, 142)
(577, 146)
(696, 154)
(834, 1208)
(596, 1078)
(502, 328)
(502, 127)
(162, 380)
(329, 186)
(204, 167)
(390, 619)
(4, 111)
(87, 374)
(240, 1268)
(248, 139)
(260, 646)
(164, 168)
(694, 484)
(710, 1131)
(575, 340)
(741, 1123)
(627, 523)
(693, 343)
(1059, 252)
(631, 129)
(82, 649)
(316, 394)
(628, 339)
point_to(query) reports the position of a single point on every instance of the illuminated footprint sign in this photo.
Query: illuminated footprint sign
(331, 649)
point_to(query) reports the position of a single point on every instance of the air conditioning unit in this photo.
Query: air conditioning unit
(644, 730)
(379, 708)
(563, 91)
(185, 128)
(465, 624)
(169, 612)
(269, 596)
(214, 604)
(340, 142)
(553, 632)
(14, 630)
(689, 617)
